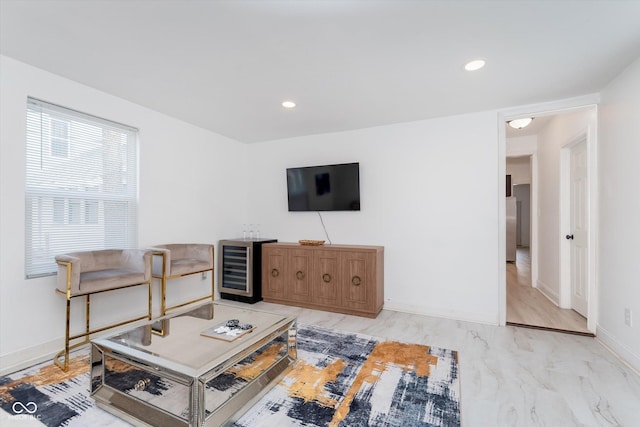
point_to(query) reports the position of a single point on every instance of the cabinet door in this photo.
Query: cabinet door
(273, 272)
(326, 278)
(298, 275)
(358, 287)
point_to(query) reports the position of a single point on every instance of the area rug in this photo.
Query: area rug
(339, 379)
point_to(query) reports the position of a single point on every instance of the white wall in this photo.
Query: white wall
(619, 232)
(441, 243)
(559, 132)
(520, 169)
(192, 188)
(517, 146)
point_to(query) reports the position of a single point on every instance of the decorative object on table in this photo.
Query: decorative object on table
(339, 379)
(311, 242)
(228, 331)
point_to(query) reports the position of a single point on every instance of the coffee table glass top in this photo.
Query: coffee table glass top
(182, 348)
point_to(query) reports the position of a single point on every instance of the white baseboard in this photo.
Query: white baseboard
(29, 356)
(548, 292)
(438, 312)
(620, 350)
(21, 359)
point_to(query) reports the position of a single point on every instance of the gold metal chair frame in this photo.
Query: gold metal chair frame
(163, 293)
(68, 337)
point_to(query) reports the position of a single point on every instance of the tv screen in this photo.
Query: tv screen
(324, 188)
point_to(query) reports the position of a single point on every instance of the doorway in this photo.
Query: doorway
(535, 296)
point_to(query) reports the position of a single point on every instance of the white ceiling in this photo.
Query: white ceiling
(227, 65)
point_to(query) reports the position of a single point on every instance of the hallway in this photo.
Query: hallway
(527, 306)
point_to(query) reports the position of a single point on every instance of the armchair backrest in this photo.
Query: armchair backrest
(137, 260)
(181, 251)
(134, 259)
(188, 250)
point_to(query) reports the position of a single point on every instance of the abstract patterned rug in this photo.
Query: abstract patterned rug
(340, 379)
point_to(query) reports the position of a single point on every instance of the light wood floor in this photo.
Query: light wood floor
(527, 306)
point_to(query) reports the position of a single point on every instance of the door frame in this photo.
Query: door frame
(550, 108)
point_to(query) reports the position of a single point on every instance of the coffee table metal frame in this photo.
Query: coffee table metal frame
(133, 350)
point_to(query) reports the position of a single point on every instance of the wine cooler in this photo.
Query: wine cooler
(240, 269)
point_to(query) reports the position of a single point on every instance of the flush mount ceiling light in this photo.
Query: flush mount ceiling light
(520, 123)
(474, 65)
(289, 104)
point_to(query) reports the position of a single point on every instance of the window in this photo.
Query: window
(74, 211)
(81, 185)
(91, 211)
(58, 210)
(59, 138)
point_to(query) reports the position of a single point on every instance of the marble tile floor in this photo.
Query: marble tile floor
(511, 376)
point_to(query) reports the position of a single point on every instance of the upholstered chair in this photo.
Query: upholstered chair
(171, 261)
(86, 273)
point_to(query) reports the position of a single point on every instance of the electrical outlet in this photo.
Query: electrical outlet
(627, 316)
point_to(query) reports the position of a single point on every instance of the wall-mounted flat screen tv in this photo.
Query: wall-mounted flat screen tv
(324, 188)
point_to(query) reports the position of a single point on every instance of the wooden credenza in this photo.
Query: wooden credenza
(339, 278)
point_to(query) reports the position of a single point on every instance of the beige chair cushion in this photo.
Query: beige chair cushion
(94, 271)
(182, 259)
(101, 280)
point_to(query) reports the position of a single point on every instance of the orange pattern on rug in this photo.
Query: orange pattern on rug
(47, 375)
(413, 357)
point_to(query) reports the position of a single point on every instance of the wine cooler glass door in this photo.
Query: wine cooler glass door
(236, 271)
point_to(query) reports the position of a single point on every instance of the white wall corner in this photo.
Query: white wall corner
(548, 292)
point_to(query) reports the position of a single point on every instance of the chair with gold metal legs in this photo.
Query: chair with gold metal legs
(178, 260)
(86, 273)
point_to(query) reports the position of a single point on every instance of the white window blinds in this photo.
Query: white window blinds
(81, 185)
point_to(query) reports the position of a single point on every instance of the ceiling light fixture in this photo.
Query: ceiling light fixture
(288, 104)
(474, 65)
(520, 123)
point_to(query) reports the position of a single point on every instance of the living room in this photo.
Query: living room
(431, 192)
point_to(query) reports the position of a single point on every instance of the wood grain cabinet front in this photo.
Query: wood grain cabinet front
(339, 278)
(273, 270)
(298, 275)
(326, 291)
(358, 280)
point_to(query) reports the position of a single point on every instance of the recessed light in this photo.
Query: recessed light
(474, 65)
(289, 104)
(520, 123)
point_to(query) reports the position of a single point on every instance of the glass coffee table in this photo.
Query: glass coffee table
(167, 373)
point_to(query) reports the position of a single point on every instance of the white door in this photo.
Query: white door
(578, 237)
